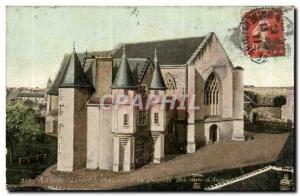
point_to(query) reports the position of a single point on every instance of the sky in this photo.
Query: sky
(38, 37)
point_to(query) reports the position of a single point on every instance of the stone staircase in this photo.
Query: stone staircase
(246, 176)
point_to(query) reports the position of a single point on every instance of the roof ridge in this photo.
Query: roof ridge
(95, 51)
(161, 40)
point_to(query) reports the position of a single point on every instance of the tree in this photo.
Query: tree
(21, 127)
(28, 103)
(279, 101)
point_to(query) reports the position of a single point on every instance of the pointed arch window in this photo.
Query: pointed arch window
(212, 96)
(170, 81)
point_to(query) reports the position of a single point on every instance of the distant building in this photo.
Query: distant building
(287, 110)
(35, 97)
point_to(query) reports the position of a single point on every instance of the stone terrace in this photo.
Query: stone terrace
(264, 148)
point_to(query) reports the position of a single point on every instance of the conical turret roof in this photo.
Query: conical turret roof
(157, 82)
(124, 77)
(74, 75)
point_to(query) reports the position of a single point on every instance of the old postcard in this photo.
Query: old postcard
(184, 98)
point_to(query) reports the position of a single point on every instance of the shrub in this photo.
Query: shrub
(279, 101)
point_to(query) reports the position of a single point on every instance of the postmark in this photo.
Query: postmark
(263, 33)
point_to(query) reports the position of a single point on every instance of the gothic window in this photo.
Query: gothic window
(125, 121)
(156, 118)
(142, 118)
(170, 82)
(211, 96)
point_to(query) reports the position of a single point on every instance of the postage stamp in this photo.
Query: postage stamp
(141, 98)
(263, 33)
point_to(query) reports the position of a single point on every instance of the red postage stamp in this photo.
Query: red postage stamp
(263, 33)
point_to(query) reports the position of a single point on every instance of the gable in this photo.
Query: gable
(211, 57)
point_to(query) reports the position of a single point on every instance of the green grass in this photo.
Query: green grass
(15, 173)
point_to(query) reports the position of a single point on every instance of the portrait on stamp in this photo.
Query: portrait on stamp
(150, 98)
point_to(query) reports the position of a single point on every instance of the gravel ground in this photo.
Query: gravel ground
(264, 148)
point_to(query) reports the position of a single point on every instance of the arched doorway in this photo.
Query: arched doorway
(213, 133)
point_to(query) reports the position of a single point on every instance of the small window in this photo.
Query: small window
(61, 127)
(59, 147)
(60, 94)
(126, 92)
(142, 118)
(61, 109)
(125, 122)
(156, 92)
(156, 118)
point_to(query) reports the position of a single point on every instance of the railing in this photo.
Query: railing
(56, 188)
(248, 175)
(33, 157)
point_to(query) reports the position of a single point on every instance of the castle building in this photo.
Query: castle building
(120, 136)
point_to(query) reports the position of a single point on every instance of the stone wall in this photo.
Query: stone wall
(214, 59)
(93, 136)
(265, 95)
(105, 139)
(268, 113)
(65, 137)
(80, 127)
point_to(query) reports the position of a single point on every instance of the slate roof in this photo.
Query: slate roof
(171, 52)
(138, 66)
(124, 77)
(181, 51)
(59, 76)
(157, 82)
(74, 75)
